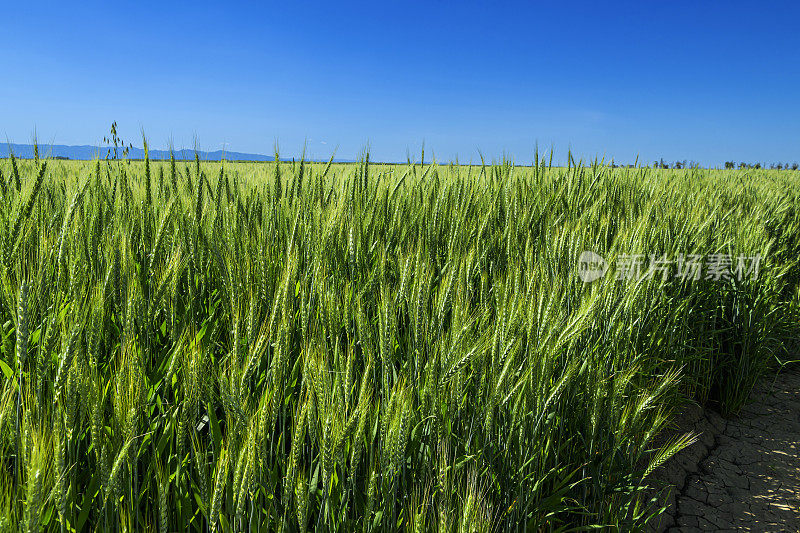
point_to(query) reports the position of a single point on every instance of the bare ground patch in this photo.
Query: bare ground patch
(744, 472)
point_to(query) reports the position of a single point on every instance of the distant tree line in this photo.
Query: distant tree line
(661, 163)
(773, 166)
(677, 164)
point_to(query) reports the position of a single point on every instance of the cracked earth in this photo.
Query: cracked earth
(743, 474)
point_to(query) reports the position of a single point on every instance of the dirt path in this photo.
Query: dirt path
(744, 473)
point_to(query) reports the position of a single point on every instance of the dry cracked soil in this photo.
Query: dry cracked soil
(743, 473)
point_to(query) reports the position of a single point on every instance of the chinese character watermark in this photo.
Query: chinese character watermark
(633, 267)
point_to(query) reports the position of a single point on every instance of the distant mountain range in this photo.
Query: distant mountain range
(87, 152)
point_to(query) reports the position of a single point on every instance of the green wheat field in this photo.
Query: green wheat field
(198, 346)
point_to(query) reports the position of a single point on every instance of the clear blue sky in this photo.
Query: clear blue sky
(671, 79)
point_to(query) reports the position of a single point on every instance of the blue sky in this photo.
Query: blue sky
(658, 79)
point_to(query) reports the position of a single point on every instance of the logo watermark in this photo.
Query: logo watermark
(716, 267)
(591, 266)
